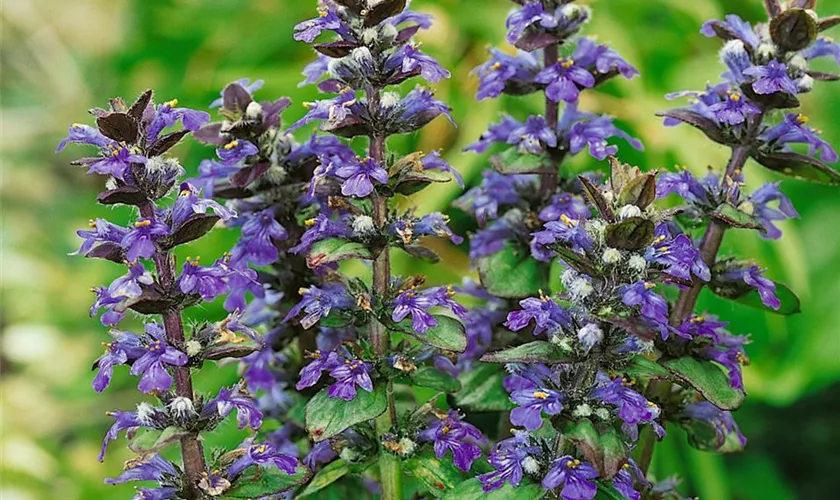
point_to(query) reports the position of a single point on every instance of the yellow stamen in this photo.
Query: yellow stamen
(568, 63)
(802, 119)
(143, 223)
(541, 395)
(567, 221)
(172, 103)
(496, 66)
(648, 286)
(232, 144)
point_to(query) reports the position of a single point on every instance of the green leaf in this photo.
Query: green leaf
(706, 125)
(438, 476)
(335, 250)
(639, 190)
(604, 449)
(512, 273)
(633, 233)
(448, 335)
(326, 416)
(414, 181)
(428, 376)
(606, 492)
(327, 476)
(708, 379)
(154, 440)
(533, 352)
(642, 367)
(258, 482)
(798, 166)
(514, 162)
(482, 390)
(471, 490)
(733, 217)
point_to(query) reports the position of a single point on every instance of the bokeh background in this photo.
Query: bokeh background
(60, 58)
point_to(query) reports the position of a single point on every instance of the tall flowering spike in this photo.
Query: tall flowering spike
(132, 142)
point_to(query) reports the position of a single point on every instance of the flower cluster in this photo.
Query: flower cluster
(132, 143)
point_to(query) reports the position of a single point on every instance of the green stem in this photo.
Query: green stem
(390, 468)
(548, 182)
(687, 300)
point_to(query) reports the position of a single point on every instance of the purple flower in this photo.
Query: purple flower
(729, 352)
(684, 184)
(449, 432)
(101, 231)
(547, 315)
(823, 46)
(409, 59)
(679, 256)
(495, 190)
(444, 297)
(418, 108)
(320, 453)
(318, 302)
(149, 468)
(130, 285)
(491, 239)
(166, 115)
(761, 200)
(627, 477)
(84, 134)
(162, 493)
(235, 398)
(576, 477)
(209, 282)
(236, 151)
(567, 230)
(256, 244)
(495, 74)
(722, 421)
(563, 79)
(653, 306)
(126, 347)
(358, 177)
(507, 458)
(126, 420)
(734, 110)
(321, 228)
(311, 373)
(435, 224)
(327, 20)
(633, 408)
(416, 304)
(263, 455)
(348, 375)
(433, 161)
(734, 25)
(532, 135)
(498, 132)
(593, 132)
(152, 363)
(315, 70)
(139, 241)
(116, 161)
(532, 403)
(771, 78)
(754, 277)
(531, 13)
(604, 59)
(565, 204)
(794, 129)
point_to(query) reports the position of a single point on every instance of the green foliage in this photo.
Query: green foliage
(708, 379)
(326, 416)
(512, 273)
(257, 482)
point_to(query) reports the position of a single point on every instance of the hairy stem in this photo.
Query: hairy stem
(548, 182)
(191, 449)
(687, 300)
(390, 469)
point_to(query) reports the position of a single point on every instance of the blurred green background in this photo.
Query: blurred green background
(60, 58)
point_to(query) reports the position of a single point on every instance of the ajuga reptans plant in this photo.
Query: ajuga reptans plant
(585, 344)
